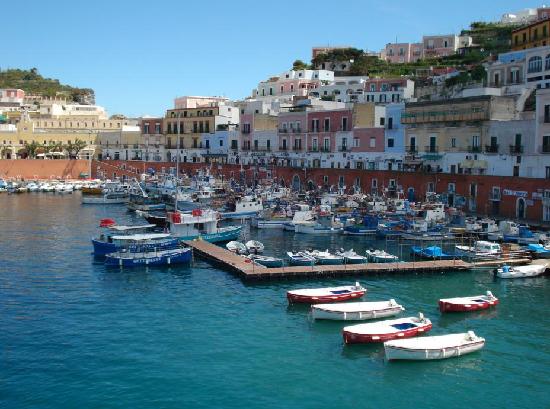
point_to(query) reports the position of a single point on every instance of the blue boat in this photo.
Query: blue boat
(149, 258)
(300, 259)
(431, 253)
(266, 261)
(538, 250)
(368, 227)
(117, 237)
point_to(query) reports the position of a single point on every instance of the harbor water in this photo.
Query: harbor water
(77, 334)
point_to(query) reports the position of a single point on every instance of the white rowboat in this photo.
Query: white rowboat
(356, 311)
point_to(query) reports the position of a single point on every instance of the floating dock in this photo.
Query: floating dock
(234, 263)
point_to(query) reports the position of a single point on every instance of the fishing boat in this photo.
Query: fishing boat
(462, 304)
(120, 197)
(368, 227)
(149, 258)
(539, 250)
(434, 347)
(381, 256)
(386, 330)
(531, 270)
(480, 249)
(300, 259)
(243, 207)
(351, 257)
(266, 261)
(254, 246)
(201, 224)
(431, 253)
(236, 247)
(326, 295)
(326, 258)
(109, 243)
(356, 311)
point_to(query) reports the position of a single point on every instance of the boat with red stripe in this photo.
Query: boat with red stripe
(386, 330)
(462, 304)
(326, 295)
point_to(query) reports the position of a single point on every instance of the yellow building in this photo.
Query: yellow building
(533, 35)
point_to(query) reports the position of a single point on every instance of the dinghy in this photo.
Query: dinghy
(300, 259)
(531, 270)
(236, 247)
(381, 256)
(351, 257)
(266, 261)
(254, 246)
(436, 347)
(356, 311)
(326, 295)
(461, 304)
(386, 330)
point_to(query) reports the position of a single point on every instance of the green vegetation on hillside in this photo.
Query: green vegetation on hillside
(32, 82)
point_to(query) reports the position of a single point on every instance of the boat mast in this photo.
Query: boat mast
(177, 162)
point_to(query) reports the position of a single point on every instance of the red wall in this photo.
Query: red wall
(417, 180)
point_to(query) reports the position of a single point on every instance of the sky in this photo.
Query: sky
(139, 55)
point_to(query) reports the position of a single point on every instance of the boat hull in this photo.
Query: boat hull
(102, 248)
(230, 234)
(357, 338)
(423, 354)
(167, 258)
(321, 314)
(447, 306)
(329, 298)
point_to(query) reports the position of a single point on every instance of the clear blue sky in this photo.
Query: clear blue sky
(138, 55)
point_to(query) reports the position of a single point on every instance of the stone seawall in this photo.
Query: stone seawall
(24, 169)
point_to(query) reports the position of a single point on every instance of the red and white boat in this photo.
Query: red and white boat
(326, 295)
(356, 311)
(387, 330)
(461, 304)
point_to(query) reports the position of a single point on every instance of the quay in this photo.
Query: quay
(250, 271)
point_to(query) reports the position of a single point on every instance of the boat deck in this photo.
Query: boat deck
(246, 270)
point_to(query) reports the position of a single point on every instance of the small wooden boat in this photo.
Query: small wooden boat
(266, 261)
(351, 257)
(386, 330)
(531, 270)
(326, 295)
(254, 246)
(149, 258)
(381, 256)
(356, 311)
(300, 259)
(236, 247)
(436, 347)
(326, 258)
(461, 304)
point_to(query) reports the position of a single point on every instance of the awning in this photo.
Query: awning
(473, 164)
(432, 157)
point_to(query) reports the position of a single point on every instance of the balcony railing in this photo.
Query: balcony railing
(313, 149)
(412, 149)
(431, 149)
(245, 148)
(474, 149)
(297, 148)
(515, 149)
(283, 130)
(545, 149)
(261, 148)
(343, 148)
(491, 148)
(296, 130)
(325, 149)
(283, 148)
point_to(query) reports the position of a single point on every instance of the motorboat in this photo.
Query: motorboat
(120, 197)
(149, 258)
(254, 246)
(386, 330)
(381, 256)
(539, 250)
(433, 347)
(244, 207)
(531, 270)
(107, 244)
(326, 295)
(201, 224)
(300, 259)
(266, 261)
(431, 253)
(326, 258)
(236, 247)
(351, 257)
(462, 304)
(115, 237)
(480, 249)
(33, 187)
(356, 311)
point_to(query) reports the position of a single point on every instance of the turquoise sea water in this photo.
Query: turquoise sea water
(75, 334)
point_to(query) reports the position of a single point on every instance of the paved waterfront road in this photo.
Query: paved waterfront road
(73, 334)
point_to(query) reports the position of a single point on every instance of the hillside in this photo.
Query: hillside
(32, 82)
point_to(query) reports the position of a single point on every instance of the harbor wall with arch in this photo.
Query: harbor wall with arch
(495, 196)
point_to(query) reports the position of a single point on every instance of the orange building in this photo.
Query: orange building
(536, 34)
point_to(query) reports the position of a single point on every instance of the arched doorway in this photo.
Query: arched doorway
(310, 185)
(520, 208)
(296, 183)
(410, 194)
(282, 182)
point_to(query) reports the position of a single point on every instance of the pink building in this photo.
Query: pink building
(439, 45)
(368, 140)
(292, 131)
(326, 127)
(11, 97)
(403, 52)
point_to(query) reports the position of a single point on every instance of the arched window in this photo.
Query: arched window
(547, 62)
(535, 64)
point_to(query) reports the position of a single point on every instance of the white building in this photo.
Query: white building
(292, 83)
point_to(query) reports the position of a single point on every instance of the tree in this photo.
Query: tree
(30, 149)
(299, 65)
(74, 148)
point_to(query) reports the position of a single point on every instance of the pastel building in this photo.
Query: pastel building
(292, 83)
(435, 46)
(198, 102)
(11, 97)
(386, 90)
(394, 133)
(403, 52)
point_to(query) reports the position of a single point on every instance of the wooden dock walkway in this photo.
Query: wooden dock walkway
(236, 264)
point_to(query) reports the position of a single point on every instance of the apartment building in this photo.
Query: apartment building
(292, 83)
(399, 53)
(535, 34)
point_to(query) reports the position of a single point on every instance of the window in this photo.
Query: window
(390, 123)
(221, 143)
(546, 144)
(382, 121)
(547, 172)
(355, 142)
(374, 183)
(475, 141)
(326, 144)
(535, 64)
(327, 125)
(207, 144)
(146, 128)
(391, 143)
(344, 124)
(372, 87)
(547, 113)
(372, 142)
(314, 125)
(453, 142)
(516, 171)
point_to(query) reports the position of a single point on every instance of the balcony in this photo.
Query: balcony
(297, 148)
(283, 148)
(283, 130)
(296, 130)
(325, 149)
(491, 148)
(545, 149)
(474, 149)
(443, 115)
(516, 149)
(313, 149)
(412, 149)
(261, 149)
(245, 148)
(343, 148)
(431, 149)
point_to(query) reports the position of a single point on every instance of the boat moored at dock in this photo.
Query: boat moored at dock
(326, 295)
